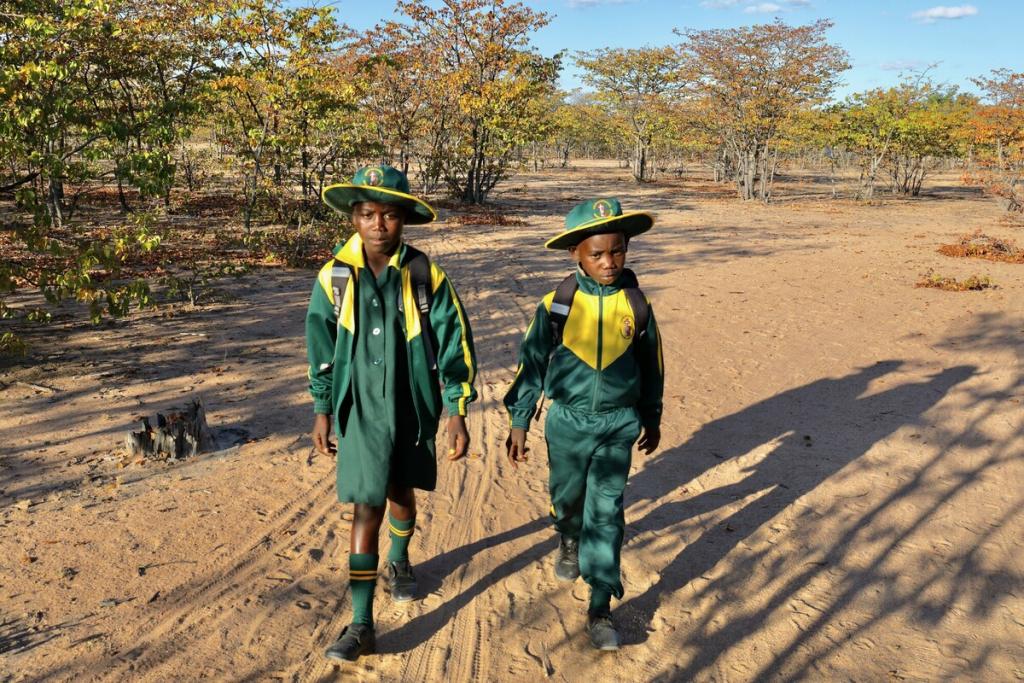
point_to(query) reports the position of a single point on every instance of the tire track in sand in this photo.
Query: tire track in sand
(191, 615)
(449, 519)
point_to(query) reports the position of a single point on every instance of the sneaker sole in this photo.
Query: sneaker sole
(403, 598)
(562, 577)
(340, 658)
(605, 648)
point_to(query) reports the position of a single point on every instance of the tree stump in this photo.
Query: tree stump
(179, 434)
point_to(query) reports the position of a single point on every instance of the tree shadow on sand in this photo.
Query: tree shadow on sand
(796, 427)
(791, 470)
(432, 572)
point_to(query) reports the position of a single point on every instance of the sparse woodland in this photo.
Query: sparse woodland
(148, 147)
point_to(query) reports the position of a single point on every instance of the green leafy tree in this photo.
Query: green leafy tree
(92, 90)
(487, 87)
(579, 124)
(929, 134)
(907, 130)
(286, 100)
(638, 86)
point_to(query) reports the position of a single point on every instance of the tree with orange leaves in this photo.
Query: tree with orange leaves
(639, 87)
(997, 133)
(751, 82)
(486, 88)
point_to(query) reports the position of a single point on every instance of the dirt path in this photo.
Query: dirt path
(836, 496)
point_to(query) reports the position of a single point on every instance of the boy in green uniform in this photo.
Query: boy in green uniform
(589, 351)
(385, 329)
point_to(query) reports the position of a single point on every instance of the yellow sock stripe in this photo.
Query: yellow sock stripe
(359, 575)
(399, 532)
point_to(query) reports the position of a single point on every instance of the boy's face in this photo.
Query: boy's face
(380, 227)
(602, 257)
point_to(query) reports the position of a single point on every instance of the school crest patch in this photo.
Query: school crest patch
(374, 176)
(627, 327)
(602, 209)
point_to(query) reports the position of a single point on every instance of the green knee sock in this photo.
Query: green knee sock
(362, 579)
(600, 601)
(401, 534)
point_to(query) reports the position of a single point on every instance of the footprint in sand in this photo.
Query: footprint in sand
(433, 600)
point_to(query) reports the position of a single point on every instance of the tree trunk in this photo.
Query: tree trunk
(640, 162)
(250, 202)
(55, 202)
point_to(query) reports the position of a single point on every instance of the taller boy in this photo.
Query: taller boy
(384, 330)
(593, 347)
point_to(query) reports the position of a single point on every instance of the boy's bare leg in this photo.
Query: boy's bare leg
(362, 560)
(401, 524)
(364, 545)
(358, 637)
(366, 523)
(401, 502)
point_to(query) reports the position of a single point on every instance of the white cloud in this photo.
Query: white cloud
(754, 7)
(580, 4)
(902, 65)
(762, 8)
(933, 14)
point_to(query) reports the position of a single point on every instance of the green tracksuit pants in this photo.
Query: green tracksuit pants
(588, 459)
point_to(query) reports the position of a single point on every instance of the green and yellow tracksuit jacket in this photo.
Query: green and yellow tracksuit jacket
(329, 343)
(598, 367)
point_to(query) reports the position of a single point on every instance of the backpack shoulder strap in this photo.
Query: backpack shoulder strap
(561, 304)
(419, 274)
(341, 273)
(637, 302)
(423, 290)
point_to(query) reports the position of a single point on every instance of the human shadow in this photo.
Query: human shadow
(787, 445)
(432, 572)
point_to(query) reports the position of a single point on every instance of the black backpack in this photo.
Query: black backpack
(419, 274)
(562, 304)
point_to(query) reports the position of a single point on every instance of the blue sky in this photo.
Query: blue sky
(882, 37)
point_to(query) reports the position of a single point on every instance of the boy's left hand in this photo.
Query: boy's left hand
(458, 437)
(650, 439)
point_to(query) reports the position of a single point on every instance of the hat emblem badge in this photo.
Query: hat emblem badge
(374, 176)
(602, 209)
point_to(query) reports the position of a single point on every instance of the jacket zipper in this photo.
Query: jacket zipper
(412, 392)
(409, 362)
(600, 345)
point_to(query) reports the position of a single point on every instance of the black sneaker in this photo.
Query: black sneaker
(355, 640)
(603, 635)
(401, 581)
(567, 564)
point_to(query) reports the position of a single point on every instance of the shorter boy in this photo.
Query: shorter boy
(594, 349)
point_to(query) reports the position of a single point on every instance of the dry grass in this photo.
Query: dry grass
(978, 245)
(974, 283)
(484, 217)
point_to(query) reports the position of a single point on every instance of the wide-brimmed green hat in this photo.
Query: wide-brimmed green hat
(384, 184)
(596, 217)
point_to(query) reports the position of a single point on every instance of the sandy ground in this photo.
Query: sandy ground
(837, 497)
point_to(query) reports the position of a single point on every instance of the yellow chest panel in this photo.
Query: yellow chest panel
(611, 320)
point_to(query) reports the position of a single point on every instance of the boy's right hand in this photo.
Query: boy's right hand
(321, 432)
(515, 445)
